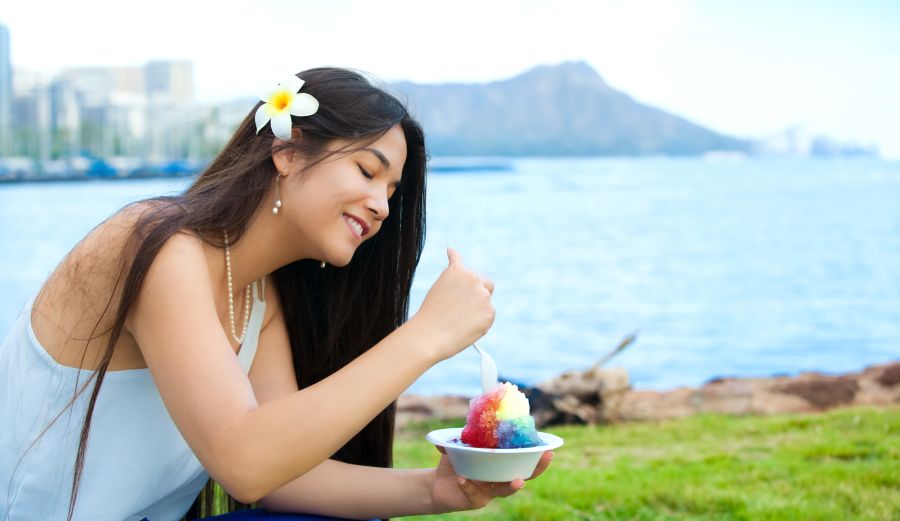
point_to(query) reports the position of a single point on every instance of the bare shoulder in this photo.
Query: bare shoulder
(183, 246)
(178, 271)
(79, 298)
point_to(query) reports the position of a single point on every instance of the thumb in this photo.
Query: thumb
(453, 256)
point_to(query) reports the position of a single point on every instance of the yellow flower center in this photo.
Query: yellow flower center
(281, 100)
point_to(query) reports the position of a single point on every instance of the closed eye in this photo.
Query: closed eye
(368, 175)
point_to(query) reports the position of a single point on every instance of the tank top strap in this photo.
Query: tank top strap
(251, 338)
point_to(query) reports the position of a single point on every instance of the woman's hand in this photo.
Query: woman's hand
(457, 310)
(452, 493)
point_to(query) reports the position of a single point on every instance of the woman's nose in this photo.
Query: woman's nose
(378, 205)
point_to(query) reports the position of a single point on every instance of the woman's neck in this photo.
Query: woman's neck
(264, 247)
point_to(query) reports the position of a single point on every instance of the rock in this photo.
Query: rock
(767, 402)
(654, 405)
(821, 391)
(878, 385)
(542, 407)
(614, 387)
(889, 375)
(807, 392)
(736, 396)
(603, 395)
(581, 397)
(725, 396)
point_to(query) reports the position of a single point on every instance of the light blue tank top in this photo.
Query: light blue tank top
(137, 465)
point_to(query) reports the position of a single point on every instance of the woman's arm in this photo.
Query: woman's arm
(253, 449)
(353, 491)
(350, 491)
(333, 488)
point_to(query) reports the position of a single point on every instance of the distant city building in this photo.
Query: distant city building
(797, 142)
(6, 92)
(65, 119)
(792, 141)
(129, 80)
(31, 123)
(126, 125)
(135, 111)
(173, 80)
(221, 121)
(96, 84)
(124, 115)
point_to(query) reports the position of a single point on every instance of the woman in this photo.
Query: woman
(252, 329)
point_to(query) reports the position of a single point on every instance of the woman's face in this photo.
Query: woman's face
(342, 201)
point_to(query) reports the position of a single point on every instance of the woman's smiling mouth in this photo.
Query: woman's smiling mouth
(356, 225)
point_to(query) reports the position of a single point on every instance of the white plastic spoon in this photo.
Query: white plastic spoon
(488, 370)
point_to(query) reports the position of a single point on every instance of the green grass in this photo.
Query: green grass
(843, 464)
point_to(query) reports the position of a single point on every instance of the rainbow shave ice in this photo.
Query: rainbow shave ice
(500, 419)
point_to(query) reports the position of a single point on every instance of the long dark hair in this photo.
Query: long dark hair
(332, 315)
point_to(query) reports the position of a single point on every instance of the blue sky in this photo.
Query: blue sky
(747, 68)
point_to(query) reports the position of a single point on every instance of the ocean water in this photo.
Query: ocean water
(752, 267)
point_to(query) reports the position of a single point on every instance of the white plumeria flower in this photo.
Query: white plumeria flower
(283, 101)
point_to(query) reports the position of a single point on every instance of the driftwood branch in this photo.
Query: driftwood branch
(627, 341)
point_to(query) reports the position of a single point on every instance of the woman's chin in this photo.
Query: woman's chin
(340, 257)
(342, 260)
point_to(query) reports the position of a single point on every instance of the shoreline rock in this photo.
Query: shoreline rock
(605, 395)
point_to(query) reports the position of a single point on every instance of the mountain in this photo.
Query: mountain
(552, 110)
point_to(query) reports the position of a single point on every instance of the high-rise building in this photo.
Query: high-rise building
(111, 112)
(31, 117)
(173, 80)
(65, 119)
(171, 127)
(96, 84)
(6, 94)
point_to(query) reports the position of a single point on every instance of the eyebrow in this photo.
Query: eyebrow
(380, 156)
(384, 162)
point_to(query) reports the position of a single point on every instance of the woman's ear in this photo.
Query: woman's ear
(287, 160)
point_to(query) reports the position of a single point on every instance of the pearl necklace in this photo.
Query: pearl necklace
(238, 339)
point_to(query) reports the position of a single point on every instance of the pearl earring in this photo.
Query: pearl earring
(277, 205)
(322, 265)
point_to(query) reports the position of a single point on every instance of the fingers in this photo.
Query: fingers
(488, 284)
(480, 493)
(475, 496)
(453, 256)
(542, 464)
(440, 449)
(516, 484)
(499, 489)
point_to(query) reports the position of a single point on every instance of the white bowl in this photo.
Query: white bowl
(498, 465)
